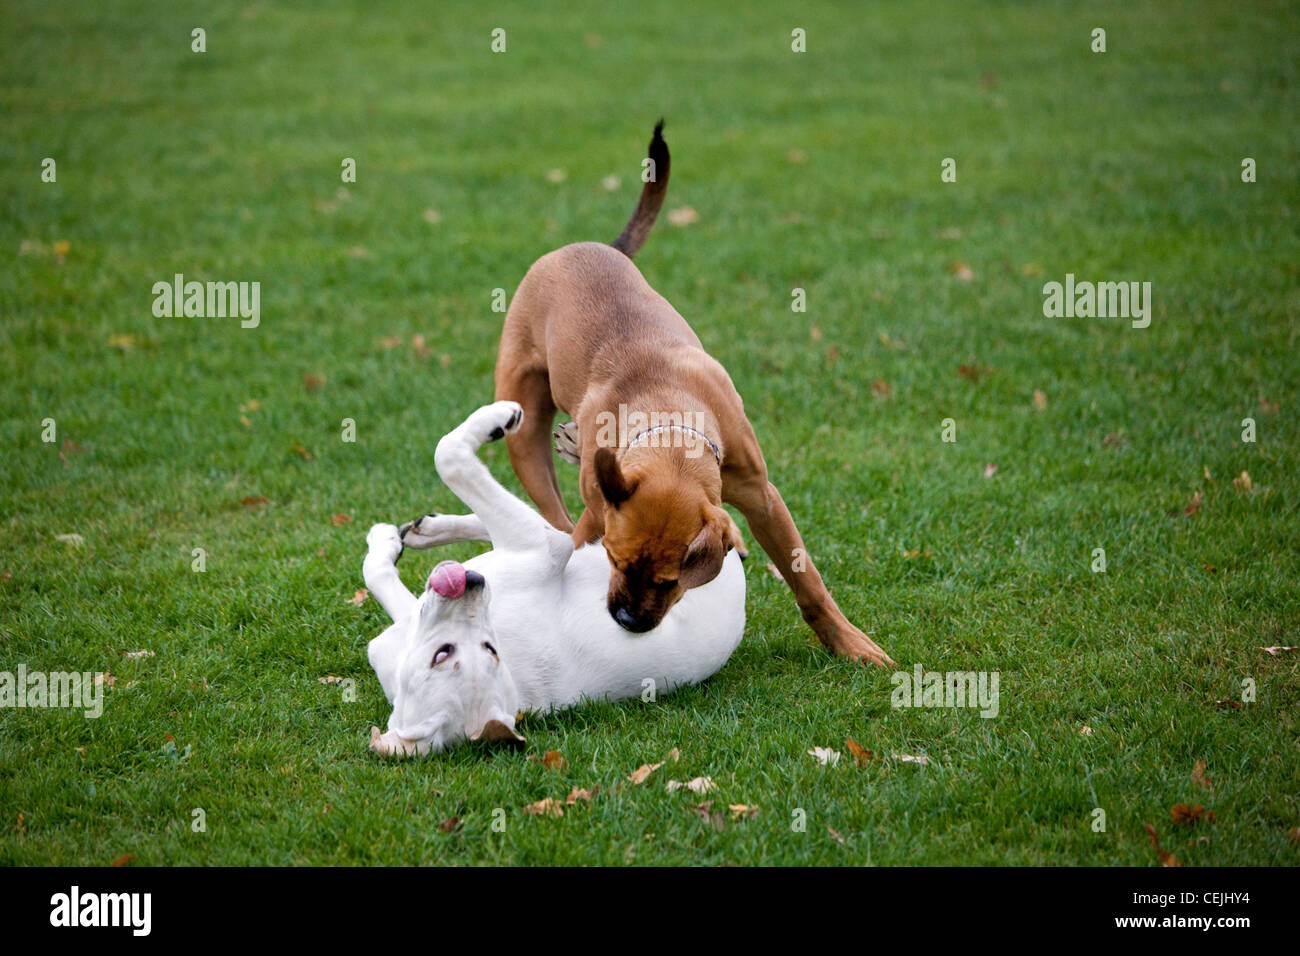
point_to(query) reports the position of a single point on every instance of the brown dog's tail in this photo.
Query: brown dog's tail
(638, 227)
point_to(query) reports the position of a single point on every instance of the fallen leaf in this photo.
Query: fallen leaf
(1194, 506)
(135, 655)
(330, 679)
(1242, 482)
(1277, 649)
(672, 786)
(673, 755)
(742, 811)
(815, 331)
(76, 540)
(125, 342)
(577, 793)
(704, 812)
(683, 216)
(1031, 269)
(1199, 778)
(421, 350)
(1228, 704)
(1165, 858)
(834, 833)
(1293, 834)
(973, 372)
(391, 341)
(123, 860)
(881, 388)
(359, 598)
(1040, 399)
(303, 453)
(1206, 470)
(776, 572)
(254, 501)
(1115, 439)
(251, 405)
(860, 753)
(339, 520)
(1187, 815)
(990, 470)
(551, 760)
(960, 271)
(825, 756)
(450, 825)
(61, 249)
(1267, 406)
(1085, 731)
(106, 679)
(313, 381)
(6, 575)
(701, 785)
(546, 807)
(923, 760)
(642, 773)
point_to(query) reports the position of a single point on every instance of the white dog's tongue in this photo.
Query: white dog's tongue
(448, 579)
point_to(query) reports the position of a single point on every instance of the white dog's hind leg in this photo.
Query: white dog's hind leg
(433, 530)
(380, 572)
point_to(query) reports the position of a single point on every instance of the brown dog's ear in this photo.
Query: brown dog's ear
(704, 555)
(613, 483)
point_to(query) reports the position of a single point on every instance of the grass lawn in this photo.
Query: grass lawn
(818, 171)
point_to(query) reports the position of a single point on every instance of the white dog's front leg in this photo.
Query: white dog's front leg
(433, 530)
(380, 572)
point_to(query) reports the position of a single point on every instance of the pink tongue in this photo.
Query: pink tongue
(448, 579)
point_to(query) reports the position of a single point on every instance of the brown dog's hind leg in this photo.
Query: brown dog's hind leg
(775, 530)
(530, 446)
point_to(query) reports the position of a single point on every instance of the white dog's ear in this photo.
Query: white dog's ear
(499, 730)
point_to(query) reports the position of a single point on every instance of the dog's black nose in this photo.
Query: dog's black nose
(474, 581)
(630, 622)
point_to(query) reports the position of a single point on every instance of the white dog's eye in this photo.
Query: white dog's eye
(442, 653)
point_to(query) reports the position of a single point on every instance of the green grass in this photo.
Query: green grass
(225, 165)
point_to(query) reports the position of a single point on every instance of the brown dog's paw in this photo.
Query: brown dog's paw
(852, 643)
(566, 442)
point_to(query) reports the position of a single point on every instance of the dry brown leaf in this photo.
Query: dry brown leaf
(1194, 506)
(313, 381)
(881, 388)
(76, 540)
(547, 807)
(742, 811)
(1242, 482)
(973, 371)
(1199, 778)
(1277, 649)
(1085, 731)
(339, 520)
(391, 341)
(815, 332)
(303, 453)
(551, 760)
(254, 501)
(1293, 834)
(1040, 399)
(701, 785)
(1267, 406)
(330, 679)
(359, 598)
(1114, 439)
(642, 773)
(834, 833)
(251, 405)
(1165, 858)
(1185, 814)
(577, 793)
(705, 812)
(123, 860)
(135, 655)
(683, 216)
(960, 271)
(860, 753)
(450, 825)
(123, 342)
(1229, 704)
(674, 755)
(990, 469)
(106, 679)
(421, 349)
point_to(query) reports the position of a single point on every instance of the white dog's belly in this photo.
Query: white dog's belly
(561, 645)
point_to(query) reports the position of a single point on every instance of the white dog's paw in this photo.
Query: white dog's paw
(384, 539)
(566, 442)
(421, 533)
(495, 421)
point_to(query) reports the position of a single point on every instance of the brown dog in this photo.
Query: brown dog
(662, 435)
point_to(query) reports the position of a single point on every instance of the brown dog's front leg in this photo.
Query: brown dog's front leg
(530, 446)
(770, 521)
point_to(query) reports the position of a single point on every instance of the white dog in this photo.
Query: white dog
(524, 626)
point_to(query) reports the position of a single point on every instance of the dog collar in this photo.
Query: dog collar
(636, 439)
